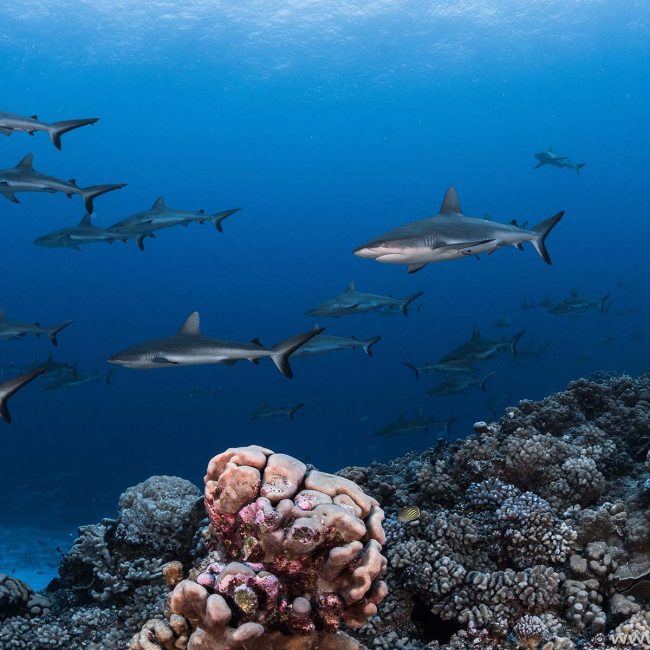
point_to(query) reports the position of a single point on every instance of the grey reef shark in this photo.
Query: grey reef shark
(24, 178)
(159, 216)
(11, 386)
(324, 343)
(352, 302)
(265, 410)
(190, 348)
(75, 237)
(13, 123)
(451, 235)
(549, 157)
(10, 329)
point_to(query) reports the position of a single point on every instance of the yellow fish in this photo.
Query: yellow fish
(408, 514)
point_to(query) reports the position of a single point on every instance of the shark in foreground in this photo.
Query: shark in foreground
(10, 329)
(144, 224)
(9, 387)
(266, 411)
(480, 349)
(190, 348)
(24, 178)
(549, 157)
(77, 236)
(352, 302)
(450, 235)
(11, 123)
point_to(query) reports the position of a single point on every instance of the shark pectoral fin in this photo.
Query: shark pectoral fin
(5, 131)
(164, 360)
(256, 361)
(539, 164)
(414, 268)
(10, 196)
(139, 240)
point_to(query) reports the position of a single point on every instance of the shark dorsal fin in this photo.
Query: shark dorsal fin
(450, 204)
(86, 220)
(27, 162)
(158, 204)
(352, 288)
(34, 117)
(476, 334)
(191, 326)
(256, 341)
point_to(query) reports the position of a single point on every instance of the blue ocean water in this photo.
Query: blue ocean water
(328, 123)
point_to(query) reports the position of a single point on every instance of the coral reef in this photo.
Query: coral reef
(533, 532)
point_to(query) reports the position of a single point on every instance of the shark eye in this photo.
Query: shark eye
(383, 244)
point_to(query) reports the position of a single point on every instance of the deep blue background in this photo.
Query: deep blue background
(322, 154)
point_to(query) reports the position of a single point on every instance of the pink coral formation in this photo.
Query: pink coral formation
(300, 556)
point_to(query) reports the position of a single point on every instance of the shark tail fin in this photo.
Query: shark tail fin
(542, 231)
(57, 129)
(579, 166)
(367, 346)
(404, 306)
(282, 351)
(292, 411)
(485, 381)
(54, 330)
(89, 194)
(13, 385)
(109, 375)
(513, 342)
(448, 424)
(604, 307)
(221, 216)
(413, 368)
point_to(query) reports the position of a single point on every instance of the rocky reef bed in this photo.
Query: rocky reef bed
(533, 532)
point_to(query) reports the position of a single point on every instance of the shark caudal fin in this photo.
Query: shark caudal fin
(292, 411)
(404, 305)
(485, 381)
(367, 345)
(413, 368)
(542, 231)
(604, 306)
(282, 351)
(579, 166)
(219, 217)
(54, 330)
(8, 388)
(57, 129)
(89, 194)
(513, 342)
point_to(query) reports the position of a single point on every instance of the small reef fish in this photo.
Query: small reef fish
(352, 302)
(13, 123)
(23, 178)
(420, 422)
(10, 329)
(159, 216)
(408, 514)
(76, 236)
(443, 368)
(451, 235)
(324, 343)
(480, 349)
(549, 157)
(190, 348)
(577, 305)
(11, 386)
(267, 411)
(458, 384)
